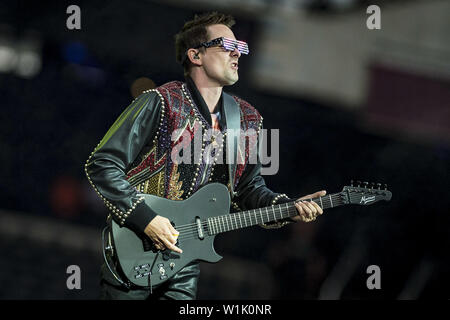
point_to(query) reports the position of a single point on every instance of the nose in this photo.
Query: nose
(235, 53)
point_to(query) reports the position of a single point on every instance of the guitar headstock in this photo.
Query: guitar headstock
(366, 194)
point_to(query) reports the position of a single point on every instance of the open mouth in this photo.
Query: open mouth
(234, 65)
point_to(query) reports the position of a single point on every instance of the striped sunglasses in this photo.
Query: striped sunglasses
(227, 43)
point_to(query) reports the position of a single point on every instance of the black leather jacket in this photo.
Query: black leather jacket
(125, 141)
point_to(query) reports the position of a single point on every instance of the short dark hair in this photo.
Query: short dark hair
(194, 32)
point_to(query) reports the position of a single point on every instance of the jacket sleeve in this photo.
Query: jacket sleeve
(107, 165)
(252, 192)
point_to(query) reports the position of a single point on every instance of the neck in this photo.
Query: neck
(210, 91)
(278, 212)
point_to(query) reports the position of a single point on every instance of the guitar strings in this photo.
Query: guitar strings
(221, 226)
(186, 227)
(335, 197)
(193, 232)
(243, 217)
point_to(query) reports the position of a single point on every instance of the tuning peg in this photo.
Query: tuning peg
(379, 186)
(385, 186)
(359, 183)
(365, 184)
(351, 183)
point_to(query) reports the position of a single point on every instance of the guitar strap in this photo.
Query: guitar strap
(233, 120)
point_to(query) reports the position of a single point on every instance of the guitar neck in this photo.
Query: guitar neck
(274, 213)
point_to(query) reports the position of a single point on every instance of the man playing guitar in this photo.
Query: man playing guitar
(136, 155)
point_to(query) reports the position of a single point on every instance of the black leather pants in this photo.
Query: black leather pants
(182, 286)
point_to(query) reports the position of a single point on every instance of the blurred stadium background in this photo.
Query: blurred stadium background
(350, 103)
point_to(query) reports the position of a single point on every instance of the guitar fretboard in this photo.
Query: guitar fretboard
(274, 213)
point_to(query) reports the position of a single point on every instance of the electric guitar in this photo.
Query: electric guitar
(200, 218)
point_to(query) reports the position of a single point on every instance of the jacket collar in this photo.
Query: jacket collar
(201, 104)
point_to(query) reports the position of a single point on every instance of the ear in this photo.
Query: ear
(194, 57)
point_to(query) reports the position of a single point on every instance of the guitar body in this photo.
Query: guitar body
(139, 263)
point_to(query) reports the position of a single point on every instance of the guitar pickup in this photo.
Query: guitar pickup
(201, 236)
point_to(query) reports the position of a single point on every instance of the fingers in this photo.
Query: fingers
(310, 207)
(169, 238)
(320, 193)
(314, 195)
(315, 208)
(163, 234)
(173, 233)
(173, 237)
(171, 246)
(167, 242)
(158, 245)
(308, 211)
